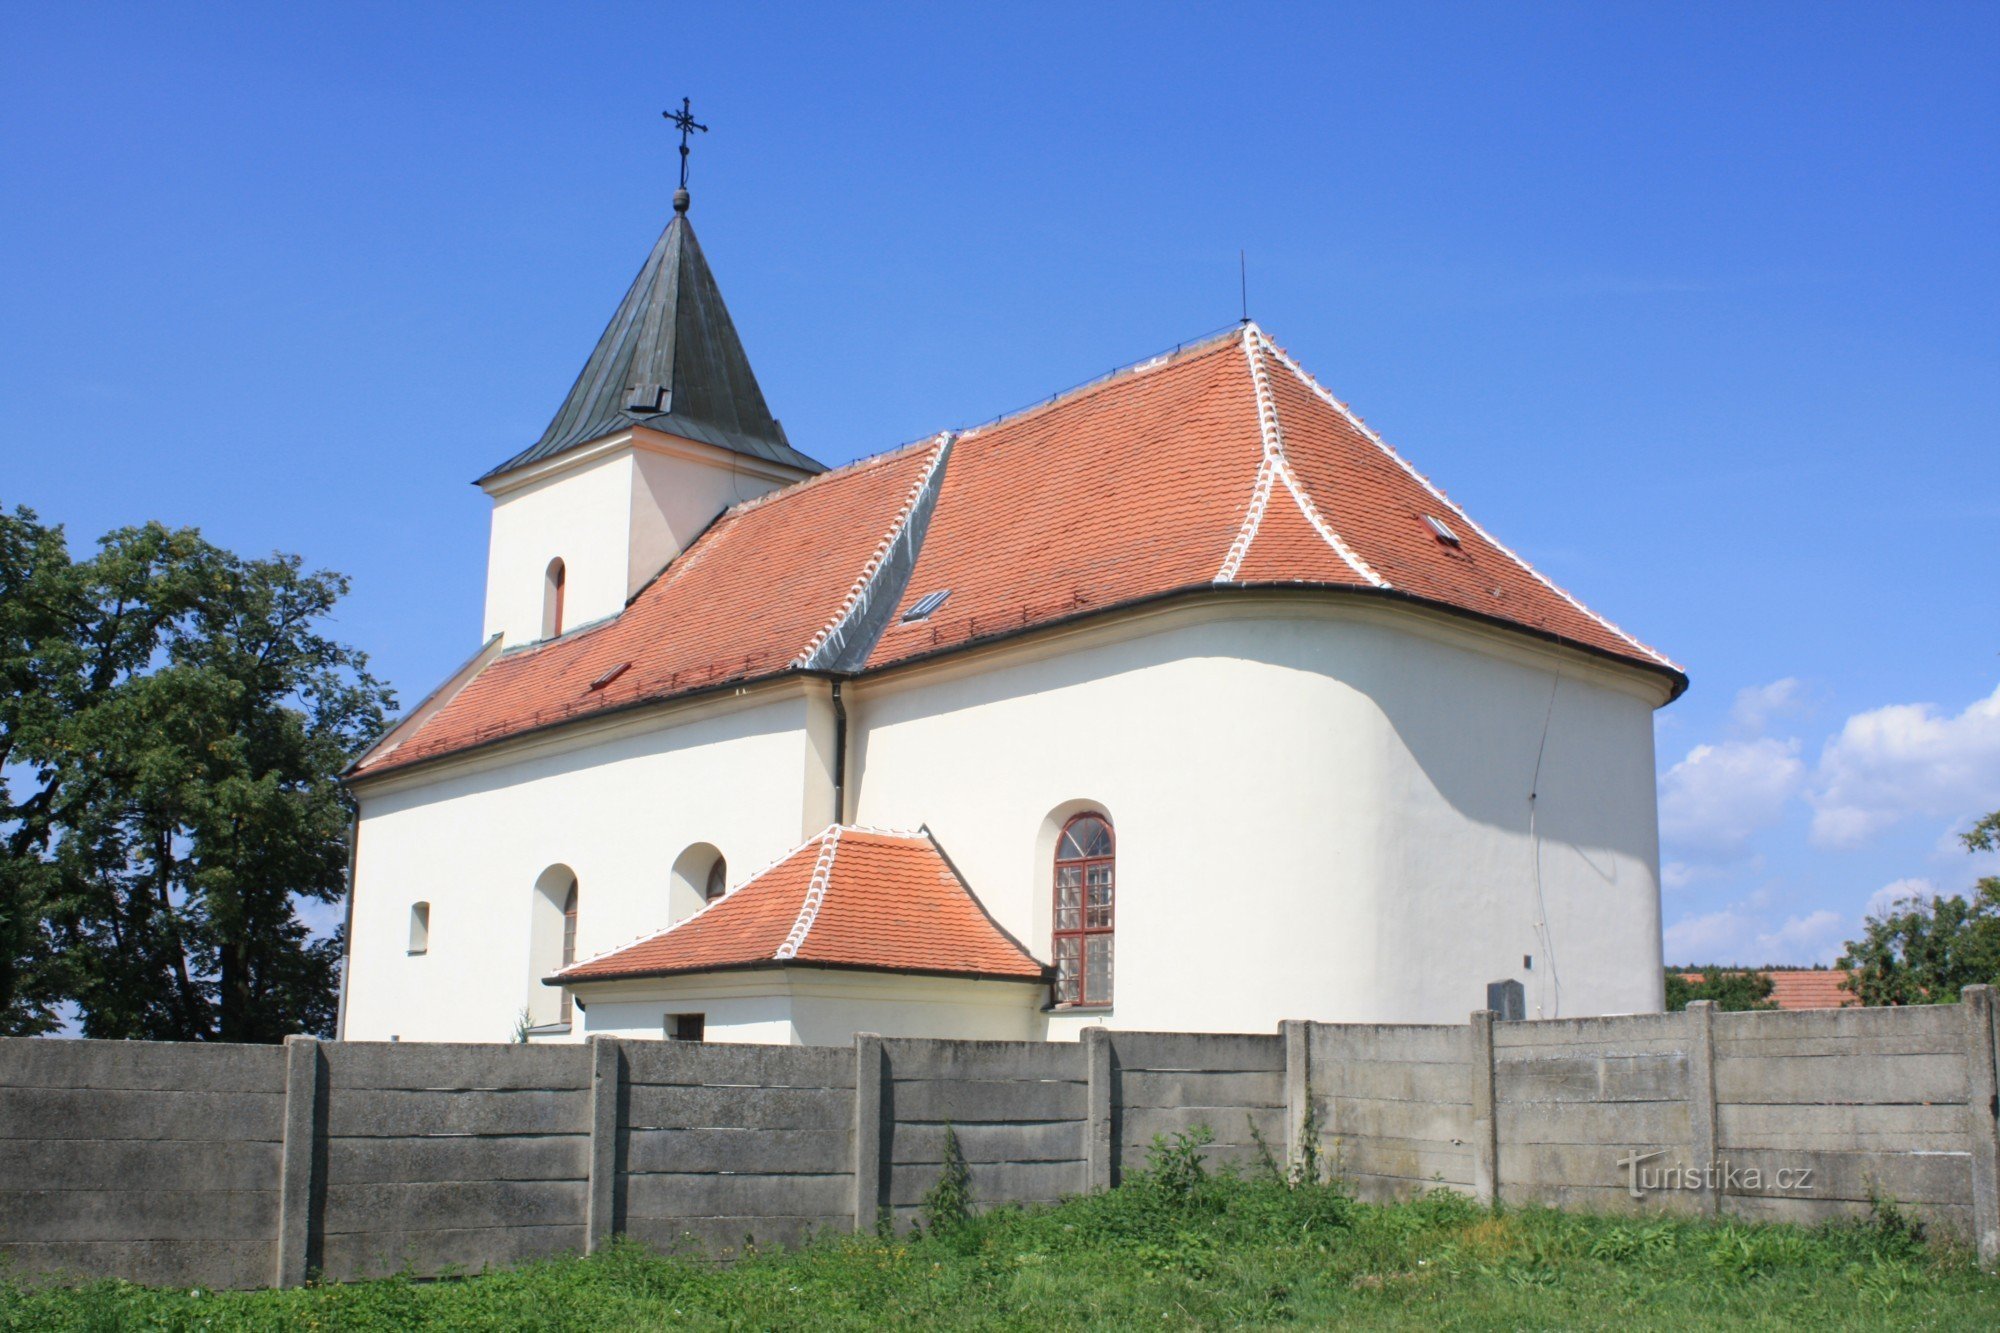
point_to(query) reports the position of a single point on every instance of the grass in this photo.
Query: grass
(1173, 1248)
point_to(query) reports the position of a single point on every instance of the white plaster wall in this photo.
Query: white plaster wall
(1322, 812)
(817, 1007)
(618, 811)
(615, 518)
(582, 515)
(674, 497)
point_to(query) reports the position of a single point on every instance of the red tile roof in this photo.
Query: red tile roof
(1222, 466)
(1804, 987)
(746, 600)
(848, 898)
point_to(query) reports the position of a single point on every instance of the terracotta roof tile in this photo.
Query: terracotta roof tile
(1222, 465)
(1130, 487)
(1804, 987)
(851, 898)
(744, 601)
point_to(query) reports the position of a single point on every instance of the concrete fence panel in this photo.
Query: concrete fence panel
(245, 1166)
(726, 1147)
(1017, 1108)
(1170, 1082)
(1393, 1106)
(1574, 1097)
(1871, 1102)
(442, 1158)
(141, 1160)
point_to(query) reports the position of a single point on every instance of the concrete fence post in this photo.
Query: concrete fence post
(299, 1186)
(1704, 1149)
(607, 1077)
(1298, 1088)
(1098, 1145)
(1982, 1119)
(1485, 1117)
(868, 1072)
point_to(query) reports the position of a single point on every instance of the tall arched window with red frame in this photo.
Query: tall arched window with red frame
(569, 942)
(1086, 876)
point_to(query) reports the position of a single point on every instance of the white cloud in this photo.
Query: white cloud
(1906, 760)
(1756, 705)
(1709, 938)
(1816, 937)
(1713, 801)
(1736, 937)
(1887, 898)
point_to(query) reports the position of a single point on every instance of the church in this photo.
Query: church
(1178, 701)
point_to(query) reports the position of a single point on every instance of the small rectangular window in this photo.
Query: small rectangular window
(1441, 530)
(926, 604)
(613, 674)
(687, 1027)
(420, 928)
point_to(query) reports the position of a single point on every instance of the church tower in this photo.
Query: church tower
(665, 428)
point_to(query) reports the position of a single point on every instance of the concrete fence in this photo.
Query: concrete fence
(246, 1166)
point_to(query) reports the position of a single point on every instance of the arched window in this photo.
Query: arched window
(552, 599)
(700, 876)
(1085, 884)
(420, 928)
(568, 942)
(551, 944)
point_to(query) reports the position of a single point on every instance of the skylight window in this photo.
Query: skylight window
(1441, 530)
(926, 604)
(613, 674)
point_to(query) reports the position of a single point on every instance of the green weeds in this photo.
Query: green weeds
(1177, 1245)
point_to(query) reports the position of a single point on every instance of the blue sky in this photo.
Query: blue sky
(1698, 307)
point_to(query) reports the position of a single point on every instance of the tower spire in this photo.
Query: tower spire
(684, 120)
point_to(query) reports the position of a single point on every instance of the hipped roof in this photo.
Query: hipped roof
(846, 898)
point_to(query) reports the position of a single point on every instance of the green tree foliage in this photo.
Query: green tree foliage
(1927, 951)
(1733, 989)
(172, 728)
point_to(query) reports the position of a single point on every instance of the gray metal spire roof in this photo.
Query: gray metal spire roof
(669, 360)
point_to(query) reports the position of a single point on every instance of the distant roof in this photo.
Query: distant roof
(669, 360)
(1803, 987)
(849, 898)
(1218, 469)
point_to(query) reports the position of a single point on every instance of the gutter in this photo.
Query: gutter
(839, 753)
(1677, 679)
(1047, 977)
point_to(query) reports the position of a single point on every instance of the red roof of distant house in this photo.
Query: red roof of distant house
(848, 898)
(1221, 467)
(1804, 987)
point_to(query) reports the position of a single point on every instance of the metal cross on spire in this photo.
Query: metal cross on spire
(684, 120)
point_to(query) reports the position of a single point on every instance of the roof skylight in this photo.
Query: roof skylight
(926, 604)
(1441, 530)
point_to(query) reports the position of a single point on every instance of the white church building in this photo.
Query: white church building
(1180, 701)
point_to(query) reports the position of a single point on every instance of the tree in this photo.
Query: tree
(1733, 990)
(176, 724)
(1926, 951)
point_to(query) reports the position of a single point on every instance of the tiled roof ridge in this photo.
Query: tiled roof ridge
(829, 832)
(851, 468)
(1305, 377)
(1186, 351)
(1275, 467)
(941, 444)
(822, 875)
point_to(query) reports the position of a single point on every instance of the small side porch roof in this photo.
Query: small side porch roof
(847, 897)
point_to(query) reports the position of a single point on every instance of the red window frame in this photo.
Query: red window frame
(1092, 929)
(568, 943)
